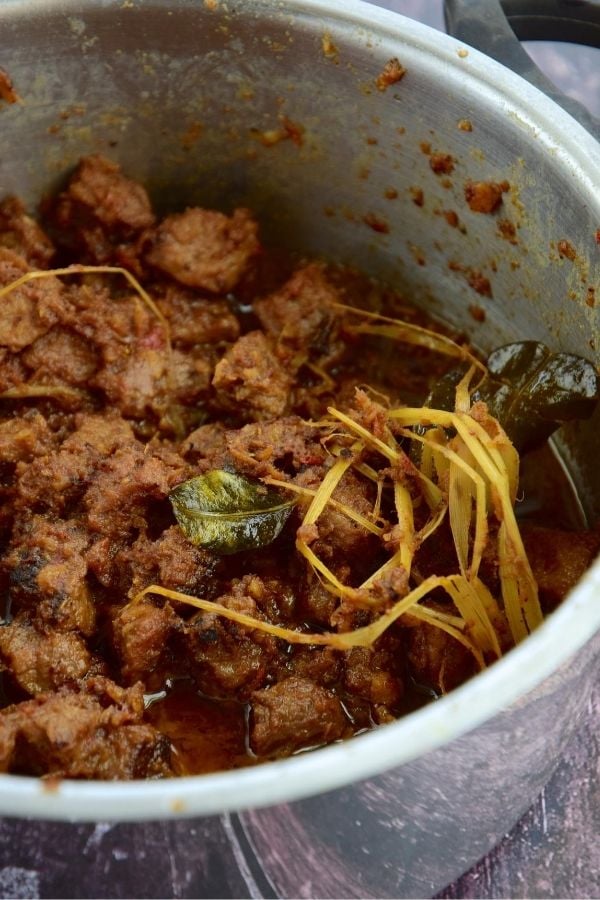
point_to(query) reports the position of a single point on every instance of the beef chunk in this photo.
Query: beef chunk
(42, 662)
(114, 200)
(196, 320)
(21, 233)
(207, 445)
(287, 445)
(96, 733)
(61, 355)
(191, 374)
(229, 660)
(30, 310)
(24, 437)
(100, 211)
(436, 660)
(141, 634)
(204, 249)
(135, 382)
(47, 574)
(56, 480)
(558, 559)
(171, 561)
(118, 498)
(294, 714)
(301, 317)
(374, 674)
(250, 381)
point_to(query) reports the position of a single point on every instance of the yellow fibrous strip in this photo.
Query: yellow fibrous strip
(24, 391)
(408, 333)
(345, 640)
(36, 274)
(367, 524)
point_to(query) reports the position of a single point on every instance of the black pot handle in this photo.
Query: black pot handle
(496, 26)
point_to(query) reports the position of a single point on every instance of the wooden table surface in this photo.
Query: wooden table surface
(554, 851)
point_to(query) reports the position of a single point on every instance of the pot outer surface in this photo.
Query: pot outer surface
(182, 94)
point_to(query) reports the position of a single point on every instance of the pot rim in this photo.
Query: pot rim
(521, 670)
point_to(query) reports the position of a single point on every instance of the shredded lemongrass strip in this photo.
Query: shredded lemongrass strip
(328, 382)
(326, 489)
(431, 613)
(519, 587)
(510, 588)
(410, 334)
(342, 589)
(375, 513)
(360, 637)
(42, 390)
(460, 504)
(404, 509)
(342, 507)
(365, 435)
(481, 526)
(421, 415)
(84, 270)
(466, 599)
(433, 523)
(462, 401)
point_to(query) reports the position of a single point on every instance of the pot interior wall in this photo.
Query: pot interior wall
(265, 105)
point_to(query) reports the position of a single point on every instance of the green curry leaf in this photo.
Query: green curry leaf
(530, 390)
(227, 513)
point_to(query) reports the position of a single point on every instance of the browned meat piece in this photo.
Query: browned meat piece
(21, 233)
(287, 445)
(317, 604)
(99, 211)
(206, 444)
(42, 662)
(114, 200)
(47, 574)
(24, 437)
(54, 481)
(125, 484)
(436, 660)
(301, 317)
(12, 370)
(250, 381)
(205, 249)
(171, 560)
(191, 374)
(30, 310)
(61, 355)
(319, 664)
(97, 733)
(558, 559)
(141, 635)
(375, 675)
(196, 320)
(136, 382)
(485, 196)
(229, 660)
(294, 714)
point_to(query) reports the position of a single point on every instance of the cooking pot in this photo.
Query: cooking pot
(192, 99)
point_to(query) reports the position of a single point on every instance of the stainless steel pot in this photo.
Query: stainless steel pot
(180, 93)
